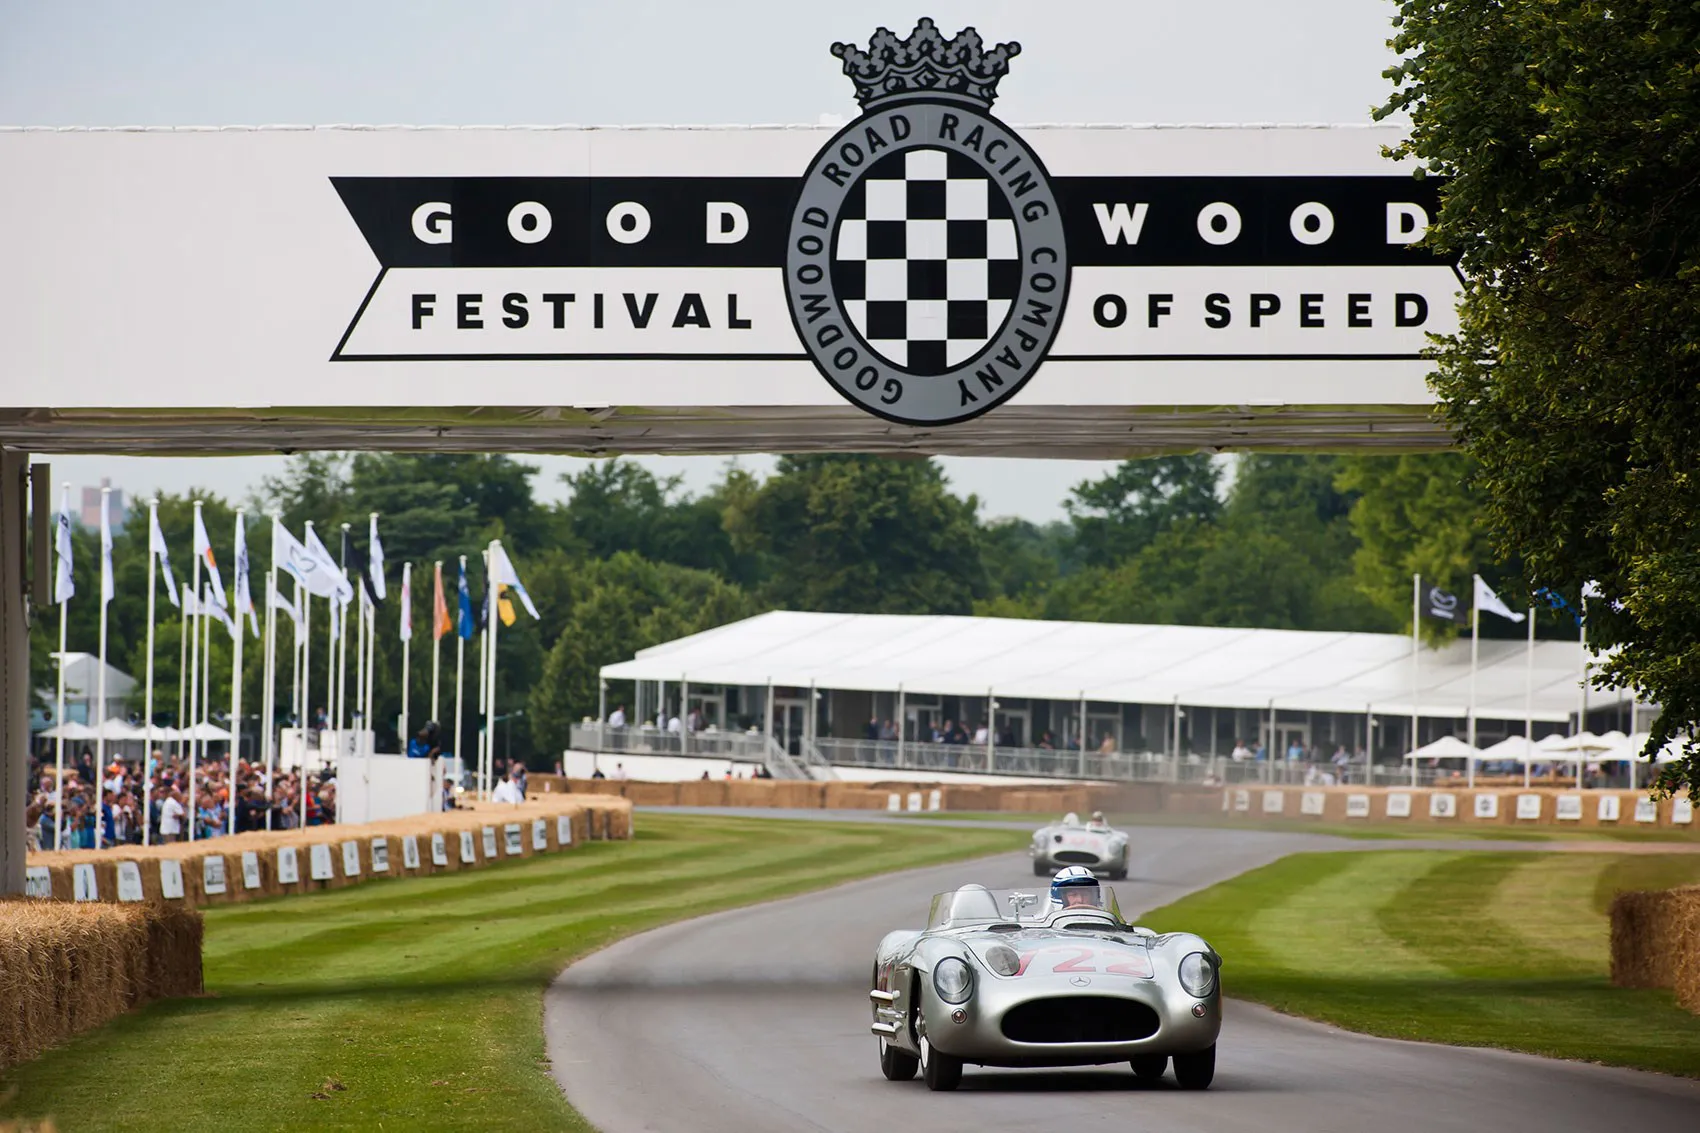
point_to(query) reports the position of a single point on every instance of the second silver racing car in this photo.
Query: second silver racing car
(1094, 844)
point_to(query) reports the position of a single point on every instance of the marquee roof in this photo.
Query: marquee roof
(1130, 664)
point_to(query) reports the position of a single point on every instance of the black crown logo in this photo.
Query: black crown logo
(926, 64)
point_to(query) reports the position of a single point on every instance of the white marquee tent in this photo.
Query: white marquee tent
(1129, 664)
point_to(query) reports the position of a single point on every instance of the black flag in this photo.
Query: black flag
(1440, 604)
(355, 564)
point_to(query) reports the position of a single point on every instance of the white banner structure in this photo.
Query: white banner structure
(535, 286)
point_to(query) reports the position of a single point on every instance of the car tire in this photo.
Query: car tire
(1150, 1067)
(1039, 870)
(1118, 875)
(897, 1065)
(940, 1071)
(1196, 1070)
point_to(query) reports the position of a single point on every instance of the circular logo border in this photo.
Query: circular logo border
(809, 246)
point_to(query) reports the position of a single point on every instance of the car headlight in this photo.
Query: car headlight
(1198, 975)
(952, 980)
(1003, 960)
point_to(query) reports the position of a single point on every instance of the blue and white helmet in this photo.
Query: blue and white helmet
(1073, 877)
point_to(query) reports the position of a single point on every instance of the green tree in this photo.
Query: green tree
(616, 607)
(619, 506)
(862, 534)
(1122, 512)
(1569, 131)
(1415, 514)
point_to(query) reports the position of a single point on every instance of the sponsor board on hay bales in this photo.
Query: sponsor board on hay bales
(246, 866)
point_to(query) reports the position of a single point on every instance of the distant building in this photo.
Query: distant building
(89, 515)
(82, 684)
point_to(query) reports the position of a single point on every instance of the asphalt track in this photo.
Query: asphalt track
(757, 1020)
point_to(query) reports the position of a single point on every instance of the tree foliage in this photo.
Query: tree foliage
(1570, 134)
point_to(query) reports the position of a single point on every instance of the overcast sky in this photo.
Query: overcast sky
(172, 62)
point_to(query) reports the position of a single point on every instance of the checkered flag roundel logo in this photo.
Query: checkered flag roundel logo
(926, 269)
(926, 259)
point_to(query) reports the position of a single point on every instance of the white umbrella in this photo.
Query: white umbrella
(205, 731)
(115, 729)
(1446, 747)
(1511, 748)
(1582, 744)
(70, 730)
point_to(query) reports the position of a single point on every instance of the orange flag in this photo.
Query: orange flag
(440, 623)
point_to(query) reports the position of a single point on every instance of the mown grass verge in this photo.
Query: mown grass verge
(1477, 949)
(417, 1003)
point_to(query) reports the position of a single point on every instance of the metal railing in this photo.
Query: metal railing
(815, 760)
(647, 739)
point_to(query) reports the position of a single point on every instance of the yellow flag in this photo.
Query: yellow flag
(504, 606)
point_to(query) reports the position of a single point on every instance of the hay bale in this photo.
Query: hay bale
(67, 968)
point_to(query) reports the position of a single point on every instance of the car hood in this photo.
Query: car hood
(1044, 953)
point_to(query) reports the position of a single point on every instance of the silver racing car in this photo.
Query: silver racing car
(1043, 978)
(1093, 844)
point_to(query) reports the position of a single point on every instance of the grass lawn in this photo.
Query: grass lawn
(1478, 949)
(418, 1003)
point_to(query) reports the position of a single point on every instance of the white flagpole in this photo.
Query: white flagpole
(361, 709)
(1529, 701)
(1475, 637)
(147, 693)
(268, 695)
(59, 704)
(235, 695)
(305, 693)
(206, 674)
(100, 677)
(194, 682)
(342, 644)
(1582, 710)
(460, 672)
(406, 643)
(371, 675)
(182, 674)
(1416, 685)
(495, 620)
(483, 699)
(436, 640)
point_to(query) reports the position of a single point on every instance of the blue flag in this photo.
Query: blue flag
(467, 625)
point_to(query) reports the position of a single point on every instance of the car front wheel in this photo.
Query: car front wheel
(897, 1065)
(1196, 1070)
(939, 1070)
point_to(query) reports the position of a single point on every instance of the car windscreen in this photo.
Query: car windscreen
(974, 905)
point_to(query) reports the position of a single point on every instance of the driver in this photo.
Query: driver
(1076, 888)
(1097, 822)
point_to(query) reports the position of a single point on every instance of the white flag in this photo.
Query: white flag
(1487, 600)
(279, 602)
(502, 573)
(375, 562)
(156, 546)
(107, 587)
(191, 606)
(64, 586)
(309, 563)
(244, 597)
(406, 594)
(203, 548)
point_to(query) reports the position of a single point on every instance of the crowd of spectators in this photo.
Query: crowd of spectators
(114, 796)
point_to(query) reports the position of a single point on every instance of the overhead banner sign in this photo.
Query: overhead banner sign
(925, 262)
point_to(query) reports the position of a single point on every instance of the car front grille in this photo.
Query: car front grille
(1076, 857)
(1079, 1019)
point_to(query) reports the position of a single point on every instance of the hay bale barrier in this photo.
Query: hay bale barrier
(65, 969)
(1655, 942)
(1552, 808)
(225, 870)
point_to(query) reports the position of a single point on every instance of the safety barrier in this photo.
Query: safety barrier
(1121, 798)
(65, 969)
(265, 864)
(1655, 942)
(1441, 806)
